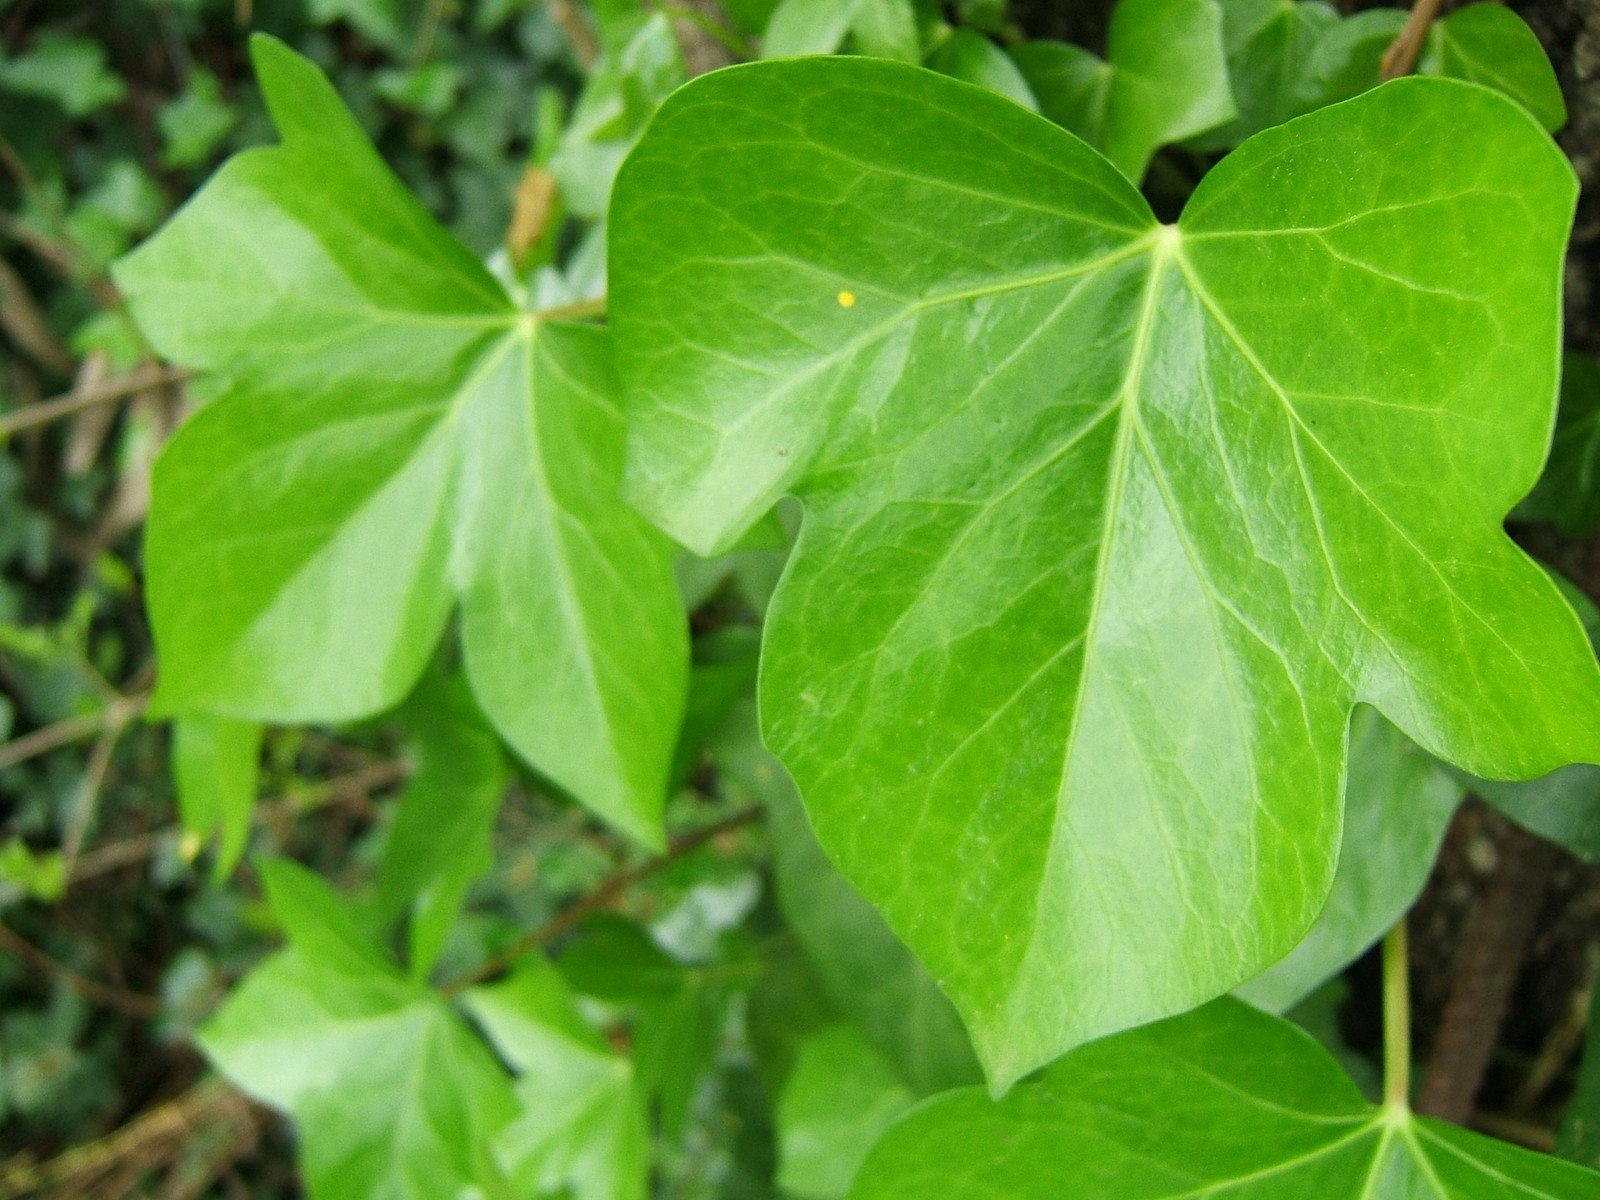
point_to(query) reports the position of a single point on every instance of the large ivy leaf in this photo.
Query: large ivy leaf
(1165, 78)
(1225, 1103)
(1108, 524)
(865, 969)
(392, 1096)
(396, 439)
(1563, 806)
(1398, 804)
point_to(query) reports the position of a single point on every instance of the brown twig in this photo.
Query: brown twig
(35, 415)
(72, 729)
(132, 1003)
(569, 18)
(159, 1133)
(1401, 56)
(1494, 945)
(606, 894)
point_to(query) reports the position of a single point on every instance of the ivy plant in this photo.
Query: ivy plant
(1065, 657)
(1146, 607)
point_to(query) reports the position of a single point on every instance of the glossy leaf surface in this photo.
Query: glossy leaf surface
(1108, 524)
(396, 440)
(1165, 78)
(1398, 804)
(1225, 1103)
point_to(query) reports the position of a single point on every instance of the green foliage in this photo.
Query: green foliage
(425, 485)
(1165, 79)
(1216, 477)
(1127, 599)
(1223, 1102)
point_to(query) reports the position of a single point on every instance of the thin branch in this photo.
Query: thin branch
(94, 779)
(35, 415)
(1493, 948)
(1401, 56)
(72, 729)
(608, 893)
(570, 19)
(132, 1003)
(579, 311)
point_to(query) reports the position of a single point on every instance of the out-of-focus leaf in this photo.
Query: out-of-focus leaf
(440, 841)
(392, 1096)
(71, 71)
(840, 1096)
(1568, 493)
(581, 1127)
(1165, 78)
(973, 58)
(193, 124)
(216, 767)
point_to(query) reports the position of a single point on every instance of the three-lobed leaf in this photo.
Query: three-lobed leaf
(393, 1096)
(396, 440)
(1224, 1103)
(1109, 524)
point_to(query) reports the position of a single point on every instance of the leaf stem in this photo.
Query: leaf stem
(607, 893)
(1396, 1020)
(1401, 56)
(581, 310)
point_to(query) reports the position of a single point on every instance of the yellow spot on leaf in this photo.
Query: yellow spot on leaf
(847, 299)
(189, 846)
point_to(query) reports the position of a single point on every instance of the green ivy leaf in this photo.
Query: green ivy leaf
(1398, 804)
(1563, 806)
(973, 58)
(194, 123)
(1165, 79)
(392, 1096)
(70, 71)
(1490, 45)
(396, 439)
(840, 1096)
(216, 767)
(1108, 524)
(377, 20)
(867, 972)
(1568, 493)
(581, 1130)
(1272, 49)
(640, 66)
(1226, 1103)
